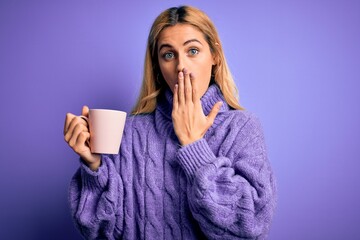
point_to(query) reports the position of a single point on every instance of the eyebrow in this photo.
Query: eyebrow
(185, 43)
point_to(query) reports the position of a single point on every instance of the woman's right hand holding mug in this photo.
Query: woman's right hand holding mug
(77, 135)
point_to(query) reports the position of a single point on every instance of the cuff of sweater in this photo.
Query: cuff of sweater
(194, 156)
(96, 180)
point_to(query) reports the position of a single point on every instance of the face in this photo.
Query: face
(184, 46)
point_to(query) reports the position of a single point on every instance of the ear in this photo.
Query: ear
(215, 59)
(215, 56)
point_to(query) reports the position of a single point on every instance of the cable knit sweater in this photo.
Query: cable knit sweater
(219, 187)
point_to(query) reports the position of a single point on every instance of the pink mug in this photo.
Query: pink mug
(106, 129)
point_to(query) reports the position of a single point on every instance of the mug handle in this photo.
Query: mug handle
(85, 118)
(87, 121)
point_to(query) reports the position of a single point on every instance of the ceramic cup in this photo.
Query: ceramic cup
(106, 129)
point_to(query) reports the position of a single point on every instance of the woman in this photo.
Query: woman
(192, 163)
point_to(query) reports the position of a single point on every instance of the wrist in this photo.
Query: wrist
(189, 141)
(95, 163)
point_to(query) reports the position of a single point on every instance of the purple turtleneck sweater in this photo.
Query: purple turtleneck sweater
(219, 187)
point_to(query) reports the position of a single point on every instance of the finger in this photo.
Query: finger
(181, 98)
(85, 119)
(70, 129)
(74, 122)
(75, 134)
(69, 117)
(81, 145)
(85, 111)
(83, 139)
(187, 87)
(175, 98)
(195, 93)
(214, 112)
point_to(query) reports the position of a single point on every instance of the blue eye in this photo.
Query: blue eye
(168, 55)
(193, 51)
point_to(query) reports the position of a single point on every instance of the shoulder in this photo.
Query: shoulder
(240, 118)
(234, 130)
(241, 124)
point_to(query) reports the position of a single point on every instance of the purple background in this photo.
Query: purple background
(296, 64)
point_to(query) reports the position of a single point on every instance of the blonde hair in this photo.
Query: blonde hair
(152, 85)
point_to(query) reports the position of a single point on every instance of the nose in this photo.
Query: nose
(180, 63)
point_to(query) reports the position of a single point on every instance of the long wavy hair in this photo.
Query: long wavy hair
(153, 84)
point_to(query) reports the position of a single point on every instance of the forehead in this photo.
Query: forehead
(180, 33)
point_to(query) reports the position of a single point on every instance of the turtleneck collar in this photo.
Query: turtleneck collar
(163, 120)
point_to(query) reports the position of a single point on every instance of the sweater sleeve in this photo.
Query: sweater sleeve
(96, 200)
(231, 196)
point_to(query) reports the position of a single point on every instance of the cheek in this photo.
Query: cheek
(202, 79)
(204, 73)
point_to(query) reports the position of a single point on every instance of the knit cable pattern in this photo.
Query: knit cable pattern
(219, 187)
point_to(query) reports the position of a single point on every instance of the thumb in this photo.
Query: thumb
(214, 111)
(85, 111)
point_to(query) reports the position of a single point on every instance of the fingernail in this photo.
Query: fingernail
(185, 71)
(181, 74)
